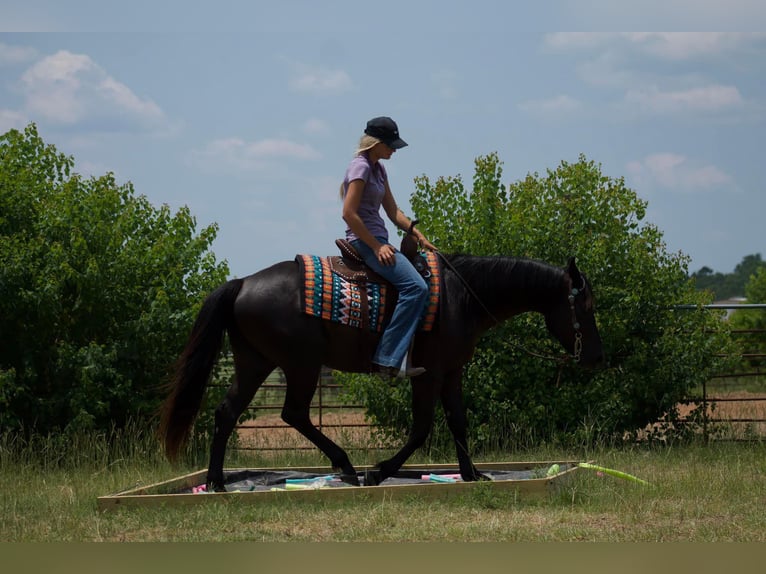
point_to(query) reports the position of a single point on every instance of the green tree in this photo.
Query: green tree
(752, 322)
(755, 290)
(726, 285)
(656, 353)
(98, 289)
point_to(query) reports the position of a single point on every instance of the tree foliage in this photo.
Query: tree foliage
(752, 322)
(656, 353)
(726, 285)
(98, 289)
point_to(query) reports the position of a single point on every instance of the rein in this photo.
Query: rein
(468, 287)
(575, 323)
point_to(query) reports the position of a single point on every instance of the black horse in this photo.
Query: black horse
(267, 329)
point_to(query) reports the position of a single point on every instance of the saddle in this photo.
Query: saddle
(352, 267)
(342, 289)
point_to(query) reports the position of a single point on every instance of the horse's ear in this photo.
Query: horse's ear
(574, 273)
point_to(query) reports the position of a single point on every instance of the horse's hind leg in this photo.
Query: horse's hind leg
(250, 371)
(301, 385)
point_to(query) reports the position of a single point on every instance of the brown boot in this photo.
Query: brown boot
(396, 372)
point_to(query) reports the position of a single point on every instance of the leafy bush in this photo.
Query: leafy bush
(656, 353)
(753, 320)
(98, 290)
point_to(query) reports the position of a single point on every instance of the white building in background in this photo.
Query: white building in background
(730, 301)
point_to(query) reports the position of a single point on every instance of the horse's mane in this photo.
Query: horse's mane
(523, 273)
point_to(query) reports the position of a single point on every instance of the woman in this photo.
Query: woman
(365, 189)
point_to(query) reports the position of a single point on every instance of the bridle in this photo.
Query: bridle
(577, 351)
(574, 292)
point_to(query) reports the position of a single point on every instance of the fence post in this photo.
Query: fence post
(705, 435)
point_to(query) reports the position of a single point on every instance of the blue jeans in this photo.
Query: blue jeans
(413, 293)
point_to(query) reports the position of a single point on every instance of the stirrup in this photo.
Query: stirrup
(397, 372)
(407, 368)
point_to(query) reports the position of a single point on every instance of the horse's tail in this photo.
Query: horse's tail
(194, 365)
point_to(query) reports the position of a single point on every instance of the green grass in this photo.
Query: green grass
(49, 487)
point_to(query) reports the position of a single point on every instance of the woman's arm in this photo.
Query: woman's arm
(403, 222)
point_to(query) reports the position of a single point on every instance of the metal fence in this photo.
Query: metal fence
(733, 400)
(330, 412)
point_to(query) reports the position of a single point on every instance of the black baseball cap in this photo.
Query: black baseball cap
(385, 129)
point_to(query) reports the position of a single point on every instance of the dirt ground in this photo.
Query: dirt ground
(348, 429)
(737, 405)
(743, 407)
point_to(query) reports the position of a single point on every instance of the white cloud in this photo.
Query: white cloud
(316, 126)
(607, 70)
(320, 80)
(677, 173)
(664, 45)
(704, 99)
(14, 55)
(656, 73)
(686, 45)
(555, 106)
(69, 89)
(238, 154)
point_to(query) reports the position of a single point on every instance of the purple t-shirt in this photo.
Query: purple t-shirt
(374, 177)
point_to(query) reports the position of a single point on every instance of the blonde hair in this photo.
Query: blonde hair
(366, 143)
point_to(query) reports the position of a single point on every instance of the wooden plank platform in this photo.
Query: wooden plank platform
(175, 492)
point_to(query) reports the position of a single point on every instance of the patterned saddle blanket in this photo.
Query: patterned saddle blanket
(361, 304)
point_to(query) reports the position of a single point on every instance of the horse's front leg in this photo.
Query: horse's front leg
(454, 410)
(424, 399)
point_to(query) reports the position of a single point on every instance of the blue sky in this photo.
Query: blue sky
(249, 112)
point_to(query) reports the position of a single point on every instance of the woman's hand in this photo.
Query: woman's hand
(423, 242)
(386, 254)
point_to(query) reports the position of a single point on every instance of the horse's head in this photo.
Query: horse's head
(572, 319)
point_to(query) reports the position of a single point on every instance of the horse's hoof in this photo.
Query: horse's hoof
(350, 479)
(372, 478)
(215, 487)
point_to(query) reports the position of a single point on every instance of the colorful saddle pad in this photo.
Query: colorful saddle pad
(357, 304)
